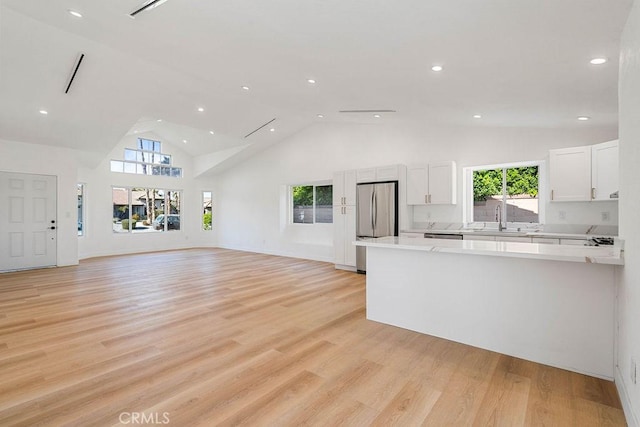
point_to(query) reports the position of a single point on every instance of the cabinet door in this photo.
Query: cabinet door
(344, 234)
(350, 235)
(513, 239)
(338, 234)
(417, 185)
(344, 188)
(604, 170)
(366, 175)
(387, 173)
(442, 186)
(472, 237)
(570, 174)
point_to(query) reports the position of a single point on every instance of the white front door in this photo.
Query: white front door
(28, 224)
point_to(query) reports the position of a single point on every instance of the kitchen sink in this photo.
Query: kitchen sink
(509, 232)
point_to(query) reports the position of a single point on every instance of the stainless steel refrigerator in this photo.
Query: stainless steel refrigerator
(376, 215)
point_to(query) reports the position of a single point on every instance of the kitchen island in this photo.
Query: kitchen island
(550, 304)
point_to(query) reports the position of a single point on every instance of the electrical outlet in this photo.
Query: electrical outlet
(605, 216)
(633, 372)
(562, 215)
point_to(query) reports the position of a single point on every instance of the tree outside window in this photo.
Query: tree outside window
(312, 204)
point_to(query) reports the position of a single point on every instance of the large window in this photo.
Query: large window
(507, 193)
(145, 210)
(146, 159)
(312, 204)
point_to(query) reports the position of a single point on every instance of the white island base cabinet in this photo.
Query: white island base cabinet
(551, 312)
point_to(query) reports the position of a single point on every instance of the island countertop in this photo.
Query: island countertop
(612, 255)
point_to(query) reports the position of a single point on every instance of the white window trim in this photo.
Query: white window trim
(467, 192)
(290, 204)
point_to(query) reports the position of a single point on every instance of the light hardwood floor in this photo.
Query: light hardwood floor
(218, 337)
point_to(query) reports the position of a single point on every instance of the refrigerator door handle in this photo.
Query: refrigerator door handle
(373, 227)
(375, 212)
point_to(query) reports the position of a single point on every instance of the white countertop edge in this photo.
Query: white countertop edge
(583, 254)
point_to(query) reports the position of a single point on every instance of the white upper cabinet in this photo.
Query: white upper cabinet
(584, 173)
(570, 174)
(382, 173)
(433, 184)
(604, 171)
(344, 188)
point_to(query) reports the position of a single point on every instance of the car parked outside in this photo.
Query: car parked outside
(173, 222)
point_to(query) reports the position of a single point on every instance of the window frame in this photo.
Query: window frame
(467, 194)
(290, 203)
(166, 202)
(82, 188)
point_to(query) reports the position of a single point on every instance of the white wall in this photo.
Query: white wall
(252, 215)
(99, 238)
(58, 162)
(629, 275)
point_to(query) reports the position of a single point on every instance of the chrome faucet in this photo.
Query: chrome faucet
(499, 217)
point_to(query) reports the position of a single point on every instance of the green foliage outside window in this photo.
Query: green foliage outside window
(487, 183)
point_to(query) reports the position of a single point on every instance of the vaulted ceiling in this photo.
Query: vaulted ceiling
(516, 63)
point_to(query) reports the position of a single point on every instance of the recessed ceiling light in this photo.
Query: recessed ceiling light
(377, 116)
(583, 118)
(320, 116)
(211, 132)
(598, 61)
(136, 131)
(200, 109)
(245, 87)
(272, 130)
(436, 68)
(159, 120)
(44, 112)
(311, 81)
(184, 141)
(75, 13)
(477, 116)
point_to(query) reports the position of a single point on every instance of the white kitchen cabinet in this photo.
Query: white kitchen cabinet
(570, 174)
(433, 184)
(382, 173)
(604, 170)
(344, 188)
(344, 234)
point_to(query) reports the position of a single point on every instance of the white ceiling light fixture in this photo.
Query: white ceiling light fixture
(147, 5)
(244, 87)
(584, 118)
(272, 130)
(159, 120)
(75, 13)
(211, 132)
(377, 116)
(477, 116)
(320, 116)
(200, 109)
(44, 112)
(311, 81)
(437, 68)
(184, 141)
(598, 61)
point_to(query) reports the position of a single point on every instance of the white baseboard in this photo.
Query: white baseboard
(277, 253)
(632, 419)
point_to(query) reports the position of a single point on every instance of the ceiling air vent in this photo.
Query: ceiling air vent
(257, 129)
(148, 5)
(75, 71)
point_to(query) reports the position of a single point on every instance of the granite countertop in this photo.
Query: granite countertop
(584, 254)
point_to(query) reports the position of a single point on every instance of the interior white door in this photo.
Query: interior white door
(28, 223)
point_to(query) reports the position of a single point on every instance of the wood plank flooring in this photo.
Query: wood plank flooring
(219, 337)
